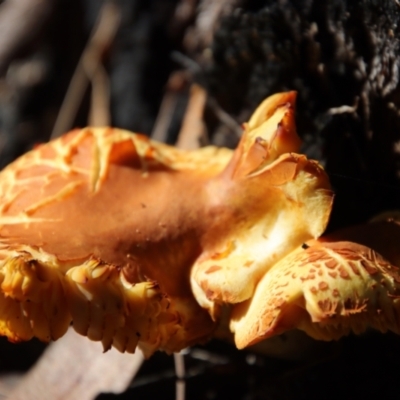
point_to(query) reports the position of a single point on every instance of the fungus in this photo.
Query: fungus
(138, 243)
(345, 282)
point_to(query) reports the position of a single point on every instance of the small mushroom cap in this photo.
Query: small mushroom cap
(328, 289)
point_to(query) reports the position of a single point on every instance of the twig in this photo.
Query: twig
(193, 127)
(100, 107)
(194, 68)
(102, 37)
(224, 117)
(177, 83)
(180, 372)
(191, 65)
(164, 117)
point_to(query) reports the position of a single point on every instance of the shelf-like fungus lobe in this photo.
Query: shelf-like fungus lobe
(326, 288)
(136, 242)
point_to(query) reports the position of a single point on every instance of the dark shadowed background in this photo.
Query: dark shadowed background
(342, 57)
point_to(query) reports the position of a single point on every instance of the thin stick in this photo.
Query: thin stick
(99, 114)
(176, 85)
(102, 36)
(224, 117)
(179, 361)
(193, 127)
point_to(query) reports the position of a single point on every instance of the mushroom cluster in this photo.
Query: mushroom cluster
(138, 243)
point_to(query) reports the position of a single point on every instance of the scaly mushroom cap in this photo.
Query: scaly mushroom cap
(97, 218)
(328, 287)
(137, 242)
